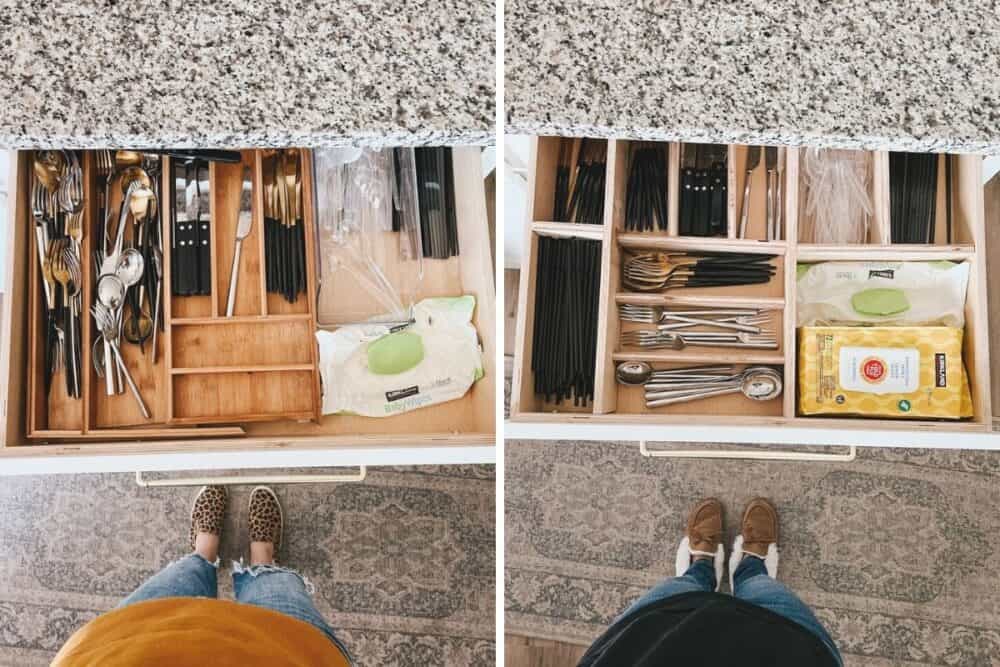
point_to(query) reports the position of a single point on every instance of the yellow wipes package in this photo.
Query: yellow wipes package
(912, 372)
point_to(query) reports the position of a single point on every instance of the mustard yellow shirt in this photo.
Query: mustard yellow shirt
(182, 632)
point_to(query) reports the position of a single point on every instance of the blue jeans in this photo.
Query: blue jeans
(751, 584)
(269, 586)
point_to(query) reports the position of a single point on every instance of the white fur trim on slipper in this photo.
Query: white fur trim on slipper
(683, 561)
(770, 560)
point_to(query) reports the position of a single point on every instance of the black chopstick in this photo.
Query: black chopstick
(913, 181)
(564, 339)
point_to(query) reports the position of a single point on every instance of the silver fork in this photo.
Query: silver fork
(738, 319)
(71, 198)
(749, 324)
(633, 312)
(108, 324)
(39, 209)
(58, 350)
(666, 339)
(71, 261)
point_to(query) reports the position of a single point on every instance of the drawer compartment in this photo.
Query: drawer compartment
(632, 400)
(253, 376)
(256, 342)
(616, 406)
(254, 395)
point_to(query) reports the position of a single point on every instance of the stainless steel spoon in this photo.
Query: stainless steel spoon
(110, 294)
(633, 373)
(758, 383)
(130, 267)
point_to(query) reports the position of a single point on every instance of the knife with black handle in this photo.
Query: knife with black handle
(203, 247)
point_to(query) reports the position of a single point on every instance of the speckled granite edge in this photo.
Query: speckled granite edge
(754, 137)
(878, 74)
(251, 139)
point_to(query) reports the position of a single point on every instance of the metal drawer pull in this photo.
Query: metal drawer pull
(759, 455)
(262, 479)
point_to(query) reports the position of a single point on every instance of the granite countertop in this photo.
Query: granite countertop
(89, 73)
(851, 73)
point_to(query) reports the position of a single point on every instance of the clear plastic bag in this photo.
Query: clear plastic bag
(356, 196)
(838, 209)
(406, 207)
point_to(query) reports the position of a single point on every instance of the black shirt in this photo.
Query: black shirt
(707, 630)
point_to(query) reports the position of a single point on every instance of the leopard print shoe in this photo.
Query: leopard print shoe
(208, 511)
(266, 519)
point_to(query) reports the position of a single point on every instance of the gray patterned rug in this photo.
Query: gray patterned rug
(896, 552)
(403, 564)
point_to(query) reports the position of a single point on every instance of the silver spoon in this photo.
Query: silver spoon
(633, 373)
(110, 294)
(758, 383)
(130, 267)
(110, 291)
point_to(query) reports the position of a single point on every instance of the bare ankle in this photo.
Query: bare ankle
(206, 545)
(261, 553)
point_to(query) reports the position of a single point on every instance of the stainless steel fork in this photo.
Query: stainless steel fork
(654, 339)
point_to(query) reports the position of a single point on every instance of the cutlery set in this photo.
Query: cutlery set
(191, 228)
(564, 344)
(704, 190)
(127, 259)
(653, 271)
(774, 171)
(284, 232)
(734, 327)
(683, 385)
(703, 206)
(57, 214)
(227, 310)
(129, 283)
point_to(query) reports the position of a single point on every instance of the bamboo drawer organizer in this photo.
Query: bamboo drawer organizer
(258, 365)
(618, 404)
(254, 376)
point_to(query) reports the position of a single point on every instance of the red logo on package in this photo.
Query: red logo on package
(873, 370)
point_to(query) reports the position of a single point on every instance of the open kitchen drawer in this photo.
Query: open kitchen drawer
(271, 377)
(620, 412)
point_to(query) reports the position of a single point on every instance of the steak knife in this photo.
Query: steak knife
(753, 160)
(203, 242)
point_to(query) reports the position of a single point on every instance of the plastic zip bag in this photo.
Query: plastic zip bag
(838, 209)
(357, 197)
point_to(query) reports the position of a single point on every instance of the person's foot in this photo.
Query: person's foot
(703, 538)
(266, 523)
(207, 515)
(758, 537)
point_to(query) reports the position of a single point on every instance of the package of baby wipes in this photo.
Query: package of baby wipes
(897, 372)
(377, 370)
(879, 293)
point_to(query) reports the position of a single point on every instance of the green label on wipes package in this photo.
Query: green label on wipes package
(880, 301)
(395, 353)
